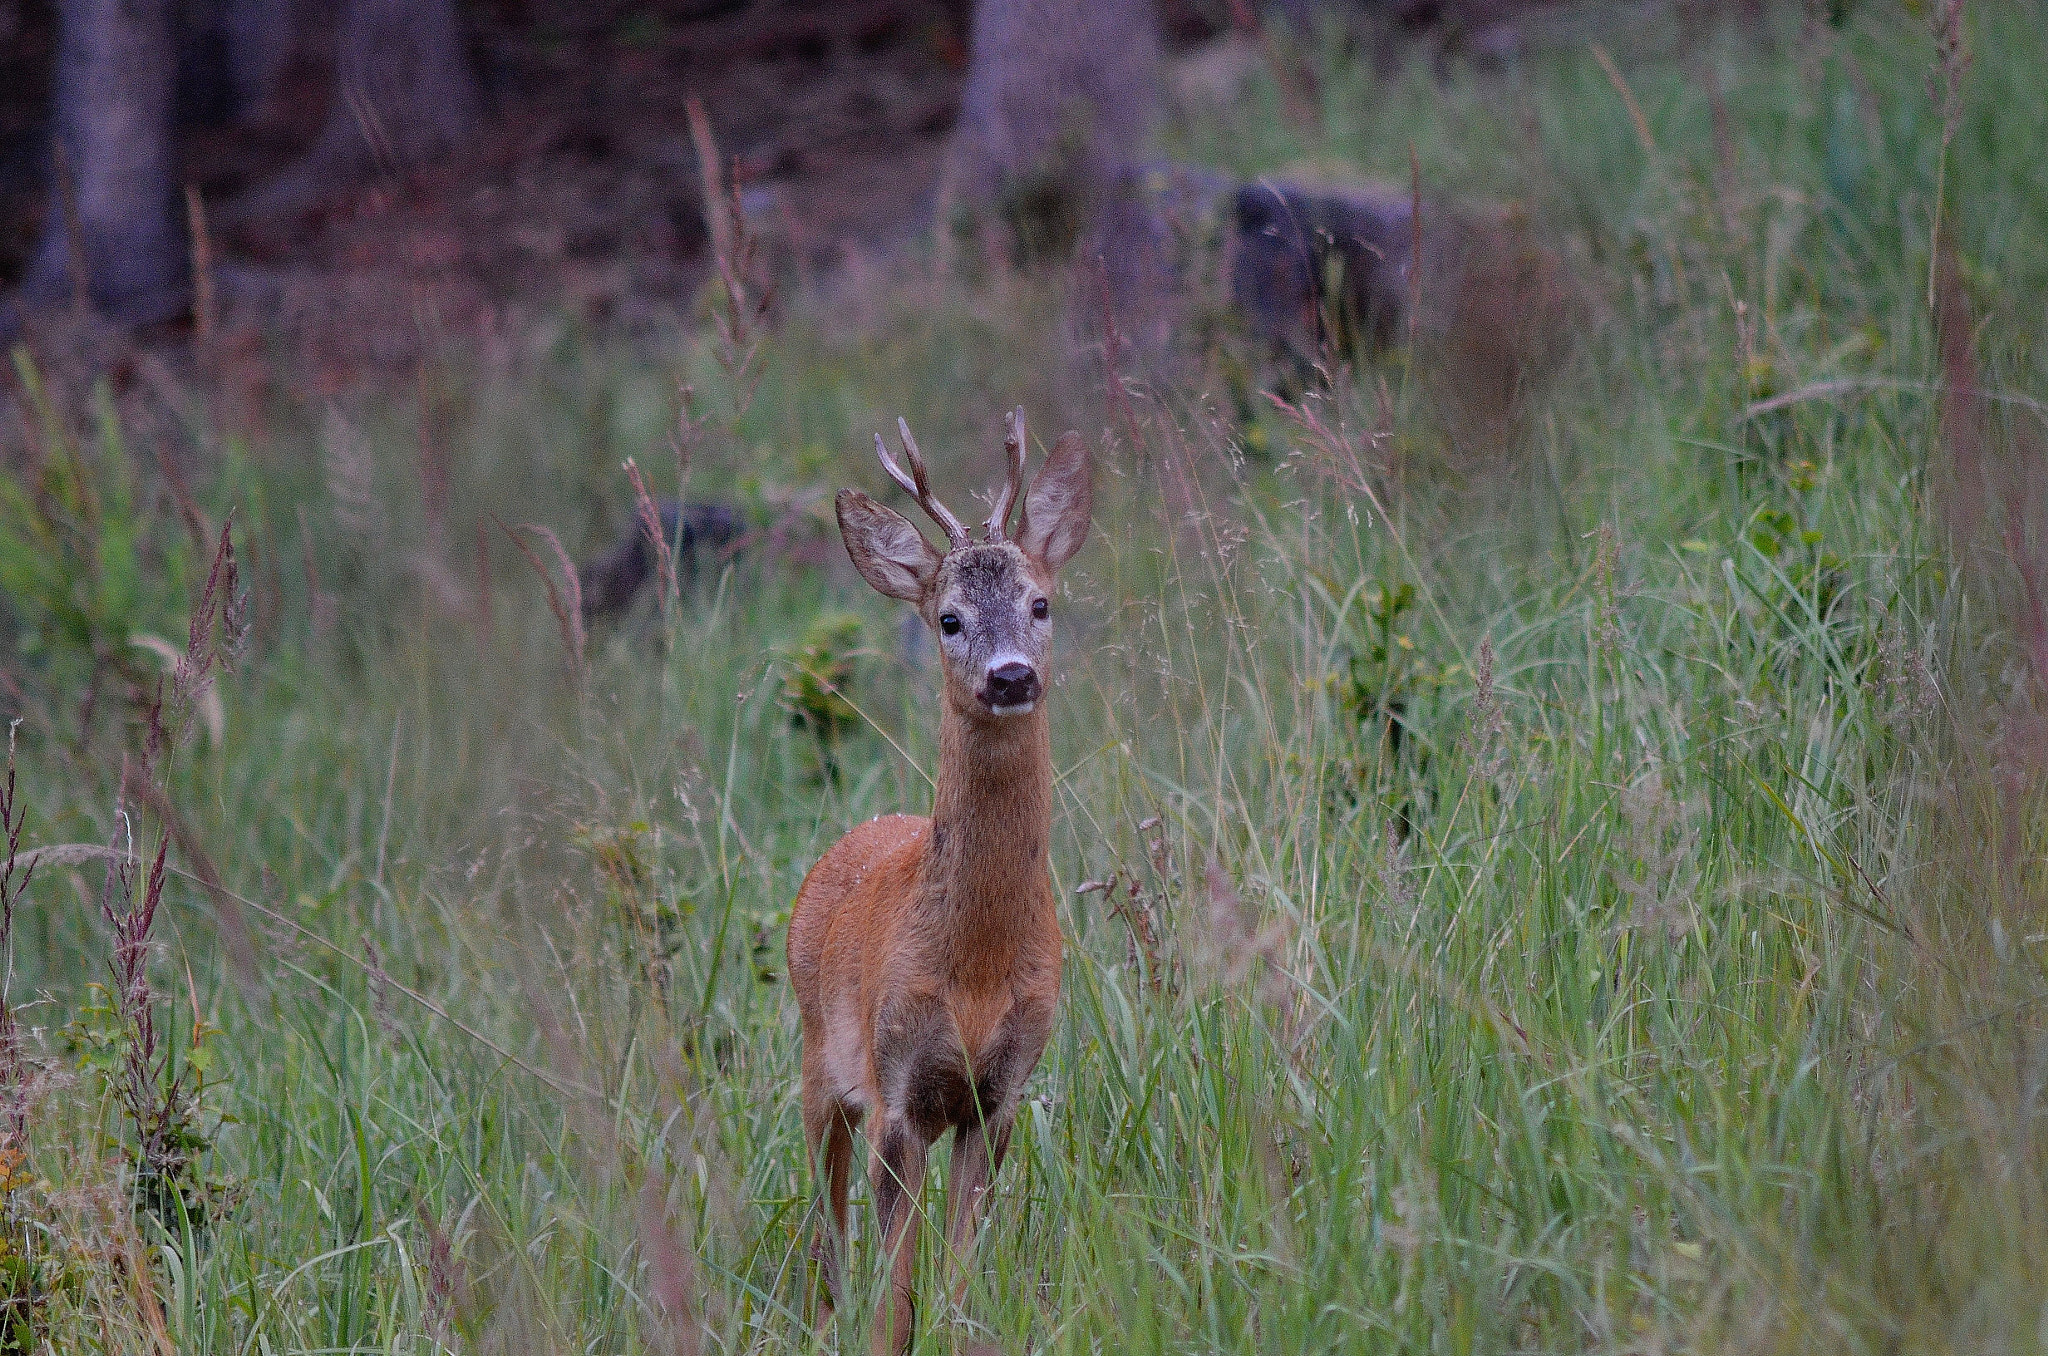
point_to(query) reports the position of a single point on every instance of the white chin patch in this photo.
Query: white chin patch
(1014, 709)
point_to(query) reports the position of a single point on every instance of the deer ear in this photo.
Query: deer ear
(1057, 509)
(889, 553)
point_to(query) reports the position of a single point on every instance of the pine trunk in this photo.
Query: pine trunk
(112, 210)
(1060, 101)
(403, 94)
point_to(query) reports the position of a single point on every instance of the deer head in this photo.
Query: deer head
(989, 602)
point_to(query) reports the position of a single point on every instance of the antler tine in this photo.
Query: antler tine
(917, 484)
(895, 472)
(998, 525)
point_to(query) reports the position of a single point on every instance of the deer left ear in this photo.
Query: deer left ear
(1057, 510)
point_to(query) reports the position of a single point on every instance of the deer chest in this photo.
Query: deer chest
(940, 1065)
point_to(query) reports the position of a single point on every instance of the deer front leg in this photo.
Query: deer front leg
(978, 1152)
(896, 1176)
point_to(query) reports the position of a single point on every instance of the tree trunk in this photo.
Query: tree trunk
(232, 57)
(261, 37)
(112, 207)
(403, 94)
(1060, 101)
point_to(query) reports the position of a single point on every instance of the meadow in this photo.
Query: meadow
(1576, 887)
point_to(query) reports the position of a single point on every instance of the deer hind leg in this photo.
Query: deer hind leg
(828, 1132)
(978, 1152)
(896, 1177)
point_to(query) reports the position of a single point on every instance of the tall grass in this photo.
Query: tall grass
(1526, 904)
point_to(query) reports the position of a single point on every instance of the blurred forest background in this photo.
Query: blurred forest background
(365, 179)
(1551, 731)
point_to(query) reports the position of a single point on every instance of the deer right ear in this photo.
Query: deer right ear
(890, 554)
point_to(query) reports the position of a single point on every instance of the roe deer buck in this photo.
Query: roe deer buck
(925, 953)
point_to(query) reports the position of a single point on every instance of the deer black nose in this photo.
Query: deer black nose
(1012, 684)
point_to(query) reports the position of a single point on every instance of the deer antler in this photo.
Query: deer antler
(998, 522)
(917, 484)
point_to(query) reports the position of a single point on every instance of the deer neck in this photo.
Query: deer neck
(991, 822)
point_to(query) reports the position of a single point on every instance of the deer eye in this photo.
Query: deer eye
(1040, 609)
(949, 624)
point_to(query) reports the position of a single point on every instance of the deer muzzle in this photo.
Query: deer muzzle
(1011, 688)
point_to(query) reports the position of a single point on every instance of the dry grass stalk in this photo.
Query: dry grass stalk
(205, 320)
(689, 425)
(1648, 142)
(227, 909)
(483, 583)
(160, 1108)
(219, 625)
(350, 471)
(672, 1270)
(1328, 448)
(1125, 903)
(1628, 100)
(159, 1093)
(1993, 511)
(1902, 678)
(657, 540)
(1662, 835)
(1112, 368)
(447, 1283)
(1606, 563)
(218, 630)
(321, 608)
(433, 462)
(132, 1262)
(733, 248)
(1237, 946)
(713, 175)
(158, 376)
(1724, 151)
(378, 980)
(1486, 732)
(569, 616)
(1414, 242)
(1945, 87)
(14, 1067)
